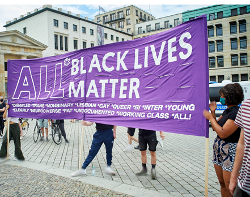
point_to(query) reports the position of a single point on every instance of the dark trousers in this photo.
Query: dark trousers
(15, 133)
(100, 137)
(61, 126)
(1, 124)
(238, 192)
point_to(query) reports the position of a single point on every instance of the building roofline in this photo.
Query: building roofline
(62, 13)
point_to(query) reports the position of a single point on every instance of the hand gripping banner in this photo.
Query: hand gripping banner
(159, 82)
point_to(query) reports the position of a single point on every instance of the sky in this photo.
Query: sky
(13, 9)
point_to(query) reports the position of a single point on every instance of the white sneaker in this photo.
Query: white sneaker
(109, 171)
(161, 143)
(79, 172)
(129, 149)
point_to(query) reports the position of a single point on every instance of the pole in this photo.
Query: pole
(81, 148)
(8, 136)
(206, 167)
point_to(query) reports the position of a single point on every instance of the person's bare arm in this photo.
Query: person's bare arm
(114, 131)
(5, 112)
(162, 135)
(86, 123)
(237, 163)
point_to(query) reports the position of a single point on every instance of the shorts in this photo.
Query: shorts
(224, 154)
(131, 131)
(151, 140)
(43, 123)
(238, 192)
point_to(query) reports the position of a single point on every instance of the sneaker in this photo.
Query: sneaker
(42, 138)
(21, 137)
(143, 172)
(79, 172)
(128, 149)
(66, 141)
(137, 147)
(153, 173)
(47, 139)
(109, 171)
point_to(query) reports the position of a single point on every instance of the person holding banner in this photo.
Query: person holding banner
(104, 134)
(228, 133)
(15, 134)
(2, 108)
(148, 137)
(241, 187)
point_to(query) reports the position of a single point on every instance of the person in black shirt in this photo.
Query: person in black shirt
(228, 133)
(2, 109)
(104, 134)
(148, 137)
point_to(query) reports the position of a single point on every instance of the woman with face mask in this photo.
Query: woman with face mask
(224, 147)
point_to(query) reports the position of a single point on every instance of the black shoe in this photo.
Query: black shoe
(67, 141)
(137, 147)
(42, 138)
(143, 172)
(153, 173)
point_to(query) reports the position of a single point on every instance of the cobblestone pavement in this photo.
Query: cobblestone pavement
(180, 165)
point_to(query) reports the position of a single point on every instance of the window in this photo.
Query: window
(139, 30)
(148, 18)
(234, 60)
(91, 32)
(136, 21)
(166, 24)
(105, 35)
(56, 41)
(145, 17)
(234, 45)
(128, 21)
(84, 30)
(61, 42)
(242, 26)
(243, 10)
(140, 14)
(113, 25)
(117, 39)
(92, 44)
(128, 12)
(220, 78)
(233, 28)
(5, 66)
(157, 26)
(120, 14)
(148, 28)
(84, 44)
(55, 23)
(105, 18)
(65, 24)
(66, 43)
(98, 19)
(220, 61)
(211, 62)
(112, 17)
(136, 12)
(75, 44)
(212, 78)
(219, 14)
(243, 42)
(122, 39)
(219, 45)
(243, 59)
(234, 12)
(112, 37)
(210, 31)
(129, 30)
(244, 77)
(24, 30)
(235, 78)
(176, 22)
(219, 30)
(74, 27)
(211, 16)
(211, 47)
(121, 24)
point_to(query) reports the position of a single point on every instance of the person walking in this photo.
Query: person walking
(43, 123)
(148, 137)
(104, 134)
(131, 133)
(228, 133)
(61, 126)
(241, 187)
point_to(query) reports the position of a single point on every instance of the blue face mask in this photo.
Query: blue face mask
(223, 101)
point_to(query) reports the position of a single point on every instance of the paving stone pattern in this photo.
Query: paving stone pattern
(180, 165)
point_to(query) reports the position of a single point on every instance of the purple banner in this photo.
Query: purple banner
(159, 82)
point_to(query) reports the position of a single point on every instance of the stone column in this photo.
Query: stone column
(2, 76)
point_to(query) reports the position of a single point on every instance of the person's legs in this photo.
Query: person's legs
(108, 139)
(15, 132)
(61, 126)
(1, 125)
(130, 132)
(3, 151)
(219, 173)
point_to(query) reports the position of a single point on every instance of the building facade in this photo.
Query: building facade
(124, 18)
(63, 31)
(228, 40)
(16, 45)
